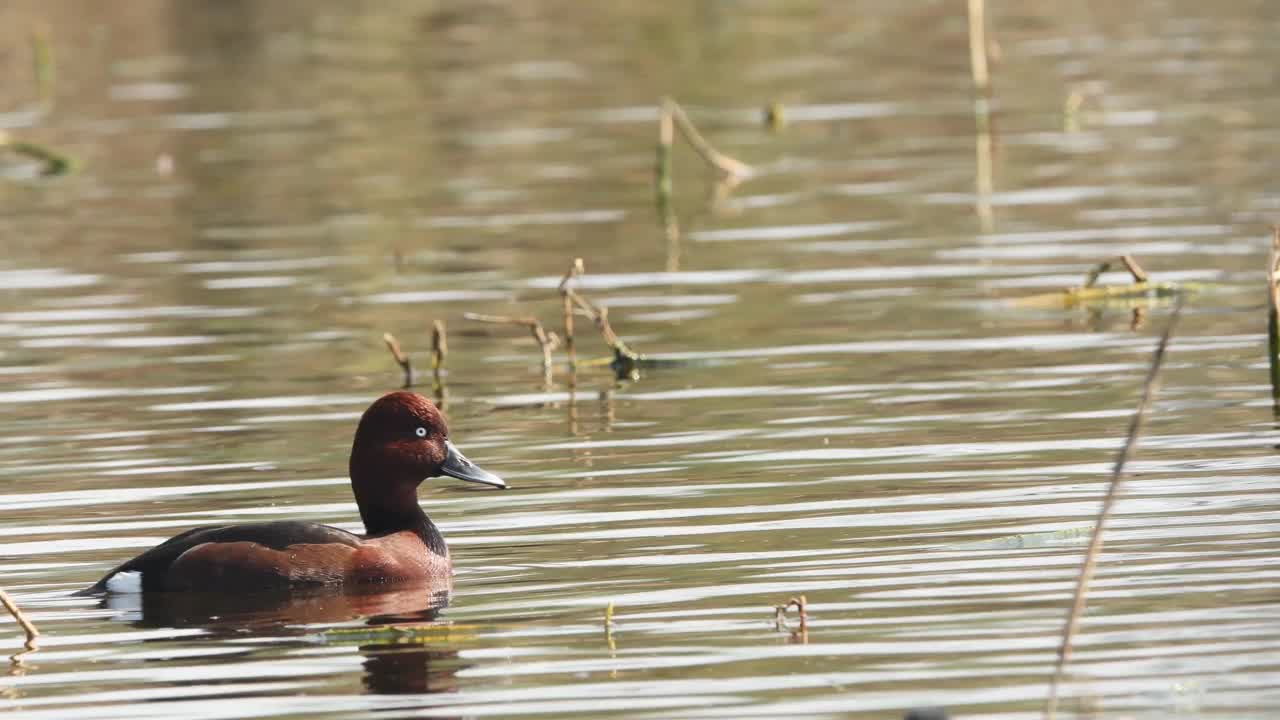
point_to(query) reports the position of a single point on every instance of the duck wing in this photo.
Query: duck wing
(152, 565)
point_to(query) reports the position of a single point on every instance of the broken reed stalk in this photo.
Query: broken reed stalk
(625, 360)
(439, 347)
(1142, 290)
(732, 171)
(401, 358)
(16, 612)
(1149, 388)
(1127, 261)
(547, 341)
(800, 604)
(1273, 318)
(566, 308)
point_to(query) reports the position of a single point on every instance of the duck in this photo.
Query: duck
(401, 440)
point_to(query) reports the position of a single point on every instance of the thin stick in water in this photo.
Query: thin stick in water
(401, 358)
(1136, 423)
(16, 612)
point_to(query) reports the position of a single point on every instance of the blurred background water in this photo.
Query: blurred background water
(191, 323)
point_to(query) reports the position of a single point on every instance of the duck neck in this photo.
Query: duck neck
(392, 507)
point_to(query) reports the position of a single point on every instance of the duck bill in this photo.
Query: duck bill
(457, 465)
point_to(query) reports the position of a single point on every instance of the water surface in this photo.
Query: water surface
(191, 324)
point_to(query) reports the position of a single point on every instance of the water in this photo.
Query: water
(191, 324)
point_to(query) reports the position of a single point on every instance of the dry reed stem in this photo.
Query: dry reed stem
(984, 161)
(401, 358)
(663, 186)
(666, 124)
(732, 171)
(978, 46)
(566, 308)
(439, 346)
(984, 146)
(547, 341)
(666, 137)
(16, 612)
(1273, 318)
(1149, 388)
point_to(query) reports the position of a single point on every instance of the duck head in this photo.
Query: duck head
(402, 437)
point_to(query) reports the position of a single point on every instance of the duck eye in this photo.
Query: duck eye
(420, 432)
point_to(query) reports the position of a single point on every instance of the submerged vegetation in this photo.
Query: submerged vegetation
(51, 162)
(1142, 290)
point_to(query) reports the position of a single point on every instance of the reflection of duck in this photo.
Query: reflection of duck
(401, 440)
(402, 664)
(408, 668)
(267, 611)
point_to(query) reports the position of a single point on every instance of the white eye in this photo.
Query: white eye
(420, 432)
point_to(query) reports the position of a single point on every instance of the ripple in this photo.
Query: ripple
(45, 278)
